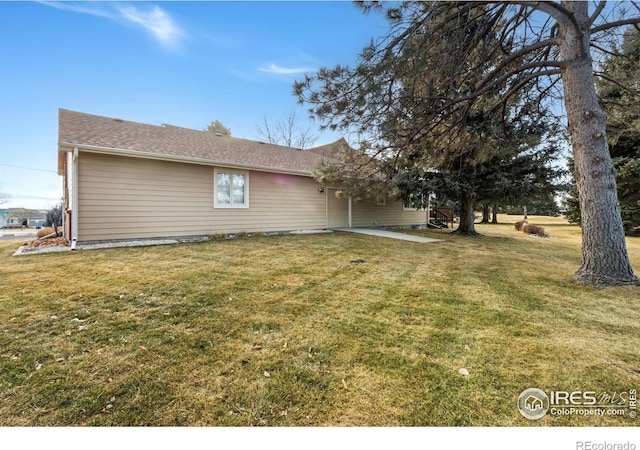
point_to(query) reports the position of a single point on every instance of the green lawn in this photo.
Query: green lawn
(298, 331)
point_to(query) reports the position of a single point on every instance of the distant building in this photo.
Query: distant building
(22, 217)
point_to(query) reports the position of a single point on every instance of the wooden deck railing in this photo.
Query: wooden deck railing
(442, 215)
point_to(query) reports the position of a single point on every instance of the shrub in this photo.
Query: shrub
(519, 225)
(534, 229)
(54, 215)
(42, 232)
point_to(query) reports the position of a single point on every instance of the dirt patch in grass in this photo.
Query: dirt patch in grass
(287, 331)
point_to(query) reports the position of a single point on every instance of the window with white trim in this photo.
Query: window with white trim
(381, 200)
(230, 188)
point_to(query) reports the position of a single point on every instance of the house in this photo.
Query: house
(128, 180)
(37, 219)
(22, 217)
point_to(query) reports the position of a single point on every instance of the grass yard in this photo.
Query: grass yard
(299, 331)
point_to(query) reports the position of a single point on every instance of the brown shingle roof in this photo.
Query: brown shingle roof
(120, 136)
(335, 150)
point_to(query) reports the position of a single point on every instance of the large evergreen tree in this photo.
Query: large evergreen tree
(529, 178)
(441, 63)
(502, 163)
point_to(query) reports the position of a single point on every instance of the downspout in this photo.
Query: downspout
(326, 206)
(64, 204)
(74, 199)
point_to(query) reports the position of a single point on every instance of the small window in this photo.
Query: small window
(230, 188)
(381, 200)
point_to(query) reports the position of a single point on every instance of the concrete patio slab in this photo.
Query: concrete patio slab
(389, 234)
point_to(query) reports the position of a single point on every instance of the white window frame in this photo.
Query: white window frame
(231, 172)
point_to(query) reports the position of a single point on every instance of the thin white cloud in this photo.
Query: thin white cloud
(82, 9)
(156, 21)
(278, 70)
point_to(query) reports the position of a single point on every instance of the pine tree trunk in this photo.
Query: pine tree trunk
(467, 216)
(605, 261)
(485, 213)
(494, 214)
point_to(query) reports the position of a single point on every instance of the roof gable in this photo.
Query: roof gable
(335, 150)
(170, 142)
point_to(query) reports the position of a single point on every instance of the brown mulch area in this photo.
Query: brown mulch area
(53, 242)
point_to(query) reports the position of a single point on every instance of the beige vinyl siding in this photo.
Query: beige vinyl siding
(123, 198)
(337, 210)
(366, 213)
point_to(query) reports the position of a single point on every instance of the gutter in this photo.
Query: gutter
(172, 158)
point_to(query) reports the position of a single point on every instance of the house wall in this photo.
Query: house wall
(124, 198)
(337, 209)
(366, 213)
(36, 222)
(13, 221)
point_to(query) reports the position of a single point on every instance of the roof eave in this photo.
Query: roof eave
(69, 146)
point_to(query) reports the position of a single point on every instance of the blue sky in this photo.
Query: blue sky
(181, 63)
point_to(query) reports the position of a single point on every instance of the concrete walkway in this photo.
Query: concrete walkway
(389, 234)
(11, 234)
